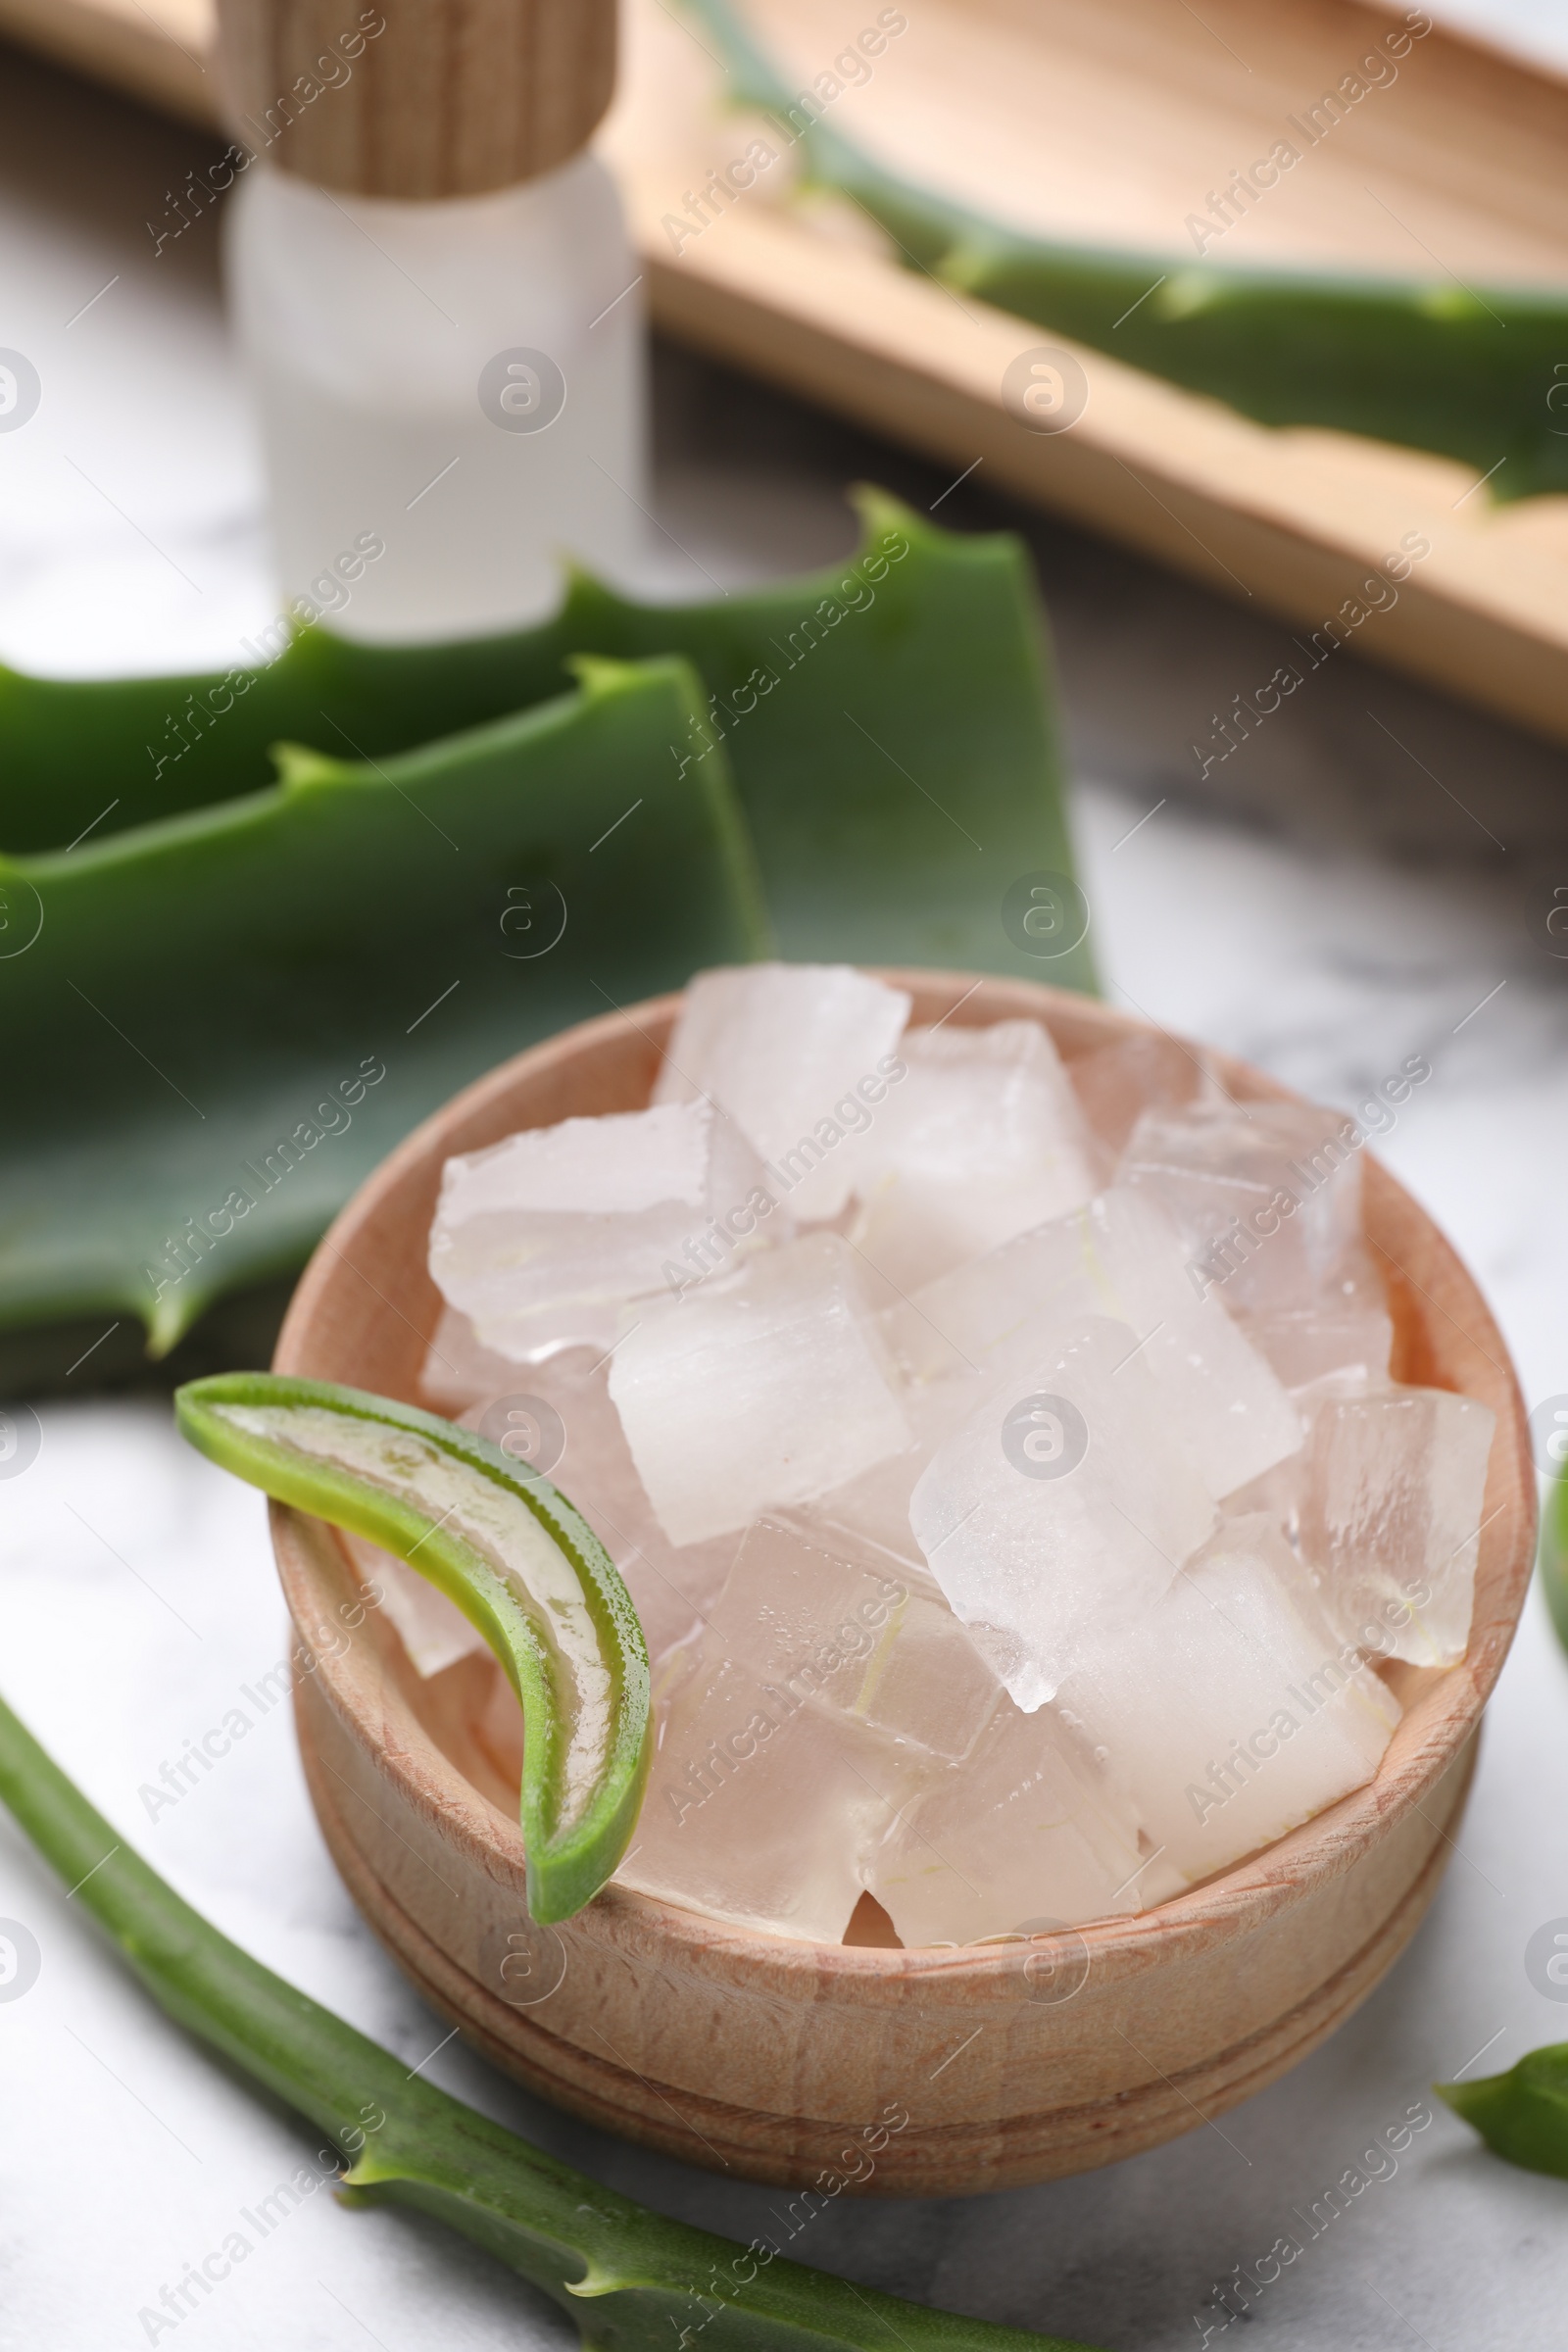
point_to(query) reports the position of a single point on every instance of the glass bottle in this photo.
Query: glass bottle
(438, 305)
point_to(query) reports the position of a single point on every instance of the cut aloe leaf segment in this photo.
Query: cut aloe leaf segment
(622, 2275)
(513, 1555)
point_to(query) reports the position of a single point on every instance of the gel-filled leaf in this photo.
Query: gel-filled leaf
(629, 2279)
(1468, 373)
(890, 724)
(1521, 2115)
(216, 1026)
(510, 1551)
(1552, 1559)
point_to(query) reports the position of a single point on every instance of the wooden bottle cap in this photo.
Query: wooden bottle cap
(416, 99)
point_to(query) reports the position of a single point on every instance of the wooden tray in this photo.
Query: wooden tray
(1109, 123)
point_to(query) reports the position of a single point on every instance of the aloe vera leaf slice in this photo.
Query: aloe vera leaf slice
(890, 725)
(1520, 2115)
(631, 2280)
(513, 1555)
(1422, 362)
(1552, 1559)
(216, 1026)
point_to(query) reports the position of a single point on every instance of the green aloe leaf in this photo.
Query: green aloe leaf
(1552, 1559)
(890, 724)
(1521, 2115)
(512, 1554)
(631, 2280)
(216, 1026)
(1468, 373)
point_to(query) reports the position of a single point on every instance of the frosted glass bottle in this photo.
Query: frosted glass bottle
(438, 305)
(462, 383)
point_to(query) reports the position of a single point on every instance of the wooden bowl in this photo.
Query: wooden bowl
(774, 2058)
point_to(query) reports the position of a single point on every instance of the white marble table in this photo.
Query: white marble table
(1339, 901)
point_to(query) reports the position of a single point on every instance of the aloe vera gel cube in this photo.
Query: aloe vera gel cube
(754, 1390)
(854, 1637)
(1065, 1500)
(801, 1056)
(982, 1140)
(1266, 1197)
(541, 1240)
(1230, 1711)
(1031, 1832)
(1346, 1338)
(761, 1807)
(1120, 1256)
(1391, 1506)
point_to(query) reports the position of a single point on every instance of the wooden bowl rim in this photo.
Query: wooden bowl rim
(1432, 1731)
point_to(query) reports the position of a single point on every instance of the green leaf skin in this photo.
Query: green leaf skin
(577, 1819)
(1521, 2115)
(1551, 1561)
(193, 1037)
(1422, 362)
(631, 2280)
(898, 774)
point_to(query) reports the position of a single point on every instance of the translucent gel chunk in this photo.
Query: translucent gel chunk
(761, 1807)
(1266, 1195)
(540, 1239)
(760, 1389)
(982, 1140)
(1028, 1832)
(1230, 1711)
(1347, 1336)
(1063, 1502)
(856, 1638)
(1392, 1493)
(1118, 1256)
(795, 1053)
(1118, 1083)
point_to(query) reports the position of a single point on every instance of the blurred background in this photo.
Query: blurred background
(1369, 876)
